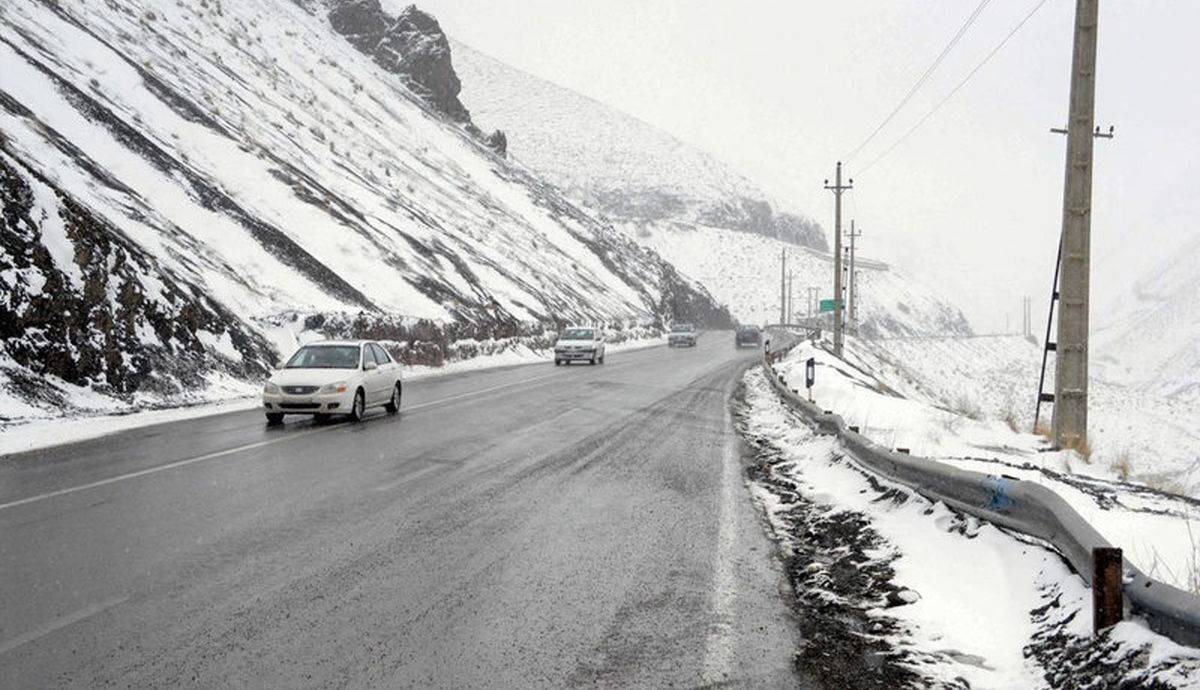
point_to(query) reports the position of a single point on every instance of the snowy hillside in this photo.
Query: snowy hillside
(742, 271)
(186, 185)
(1151, 338)
(613, 162)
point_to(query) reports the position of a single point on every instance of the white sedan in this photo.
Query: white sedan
(334, 377)
(579, 344)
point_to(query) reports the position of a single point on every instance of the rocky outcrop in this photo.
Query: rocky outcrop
(498, 141)
(411, 45)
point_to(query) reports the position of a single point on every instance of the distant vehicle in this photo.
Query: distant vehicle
(579, 344)
(747, 336)
(334, 377)
(683, 335)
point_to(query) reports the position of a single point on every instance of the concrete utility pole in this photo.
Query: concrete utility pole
(790, 312)
(814, 300)
(782, 286)
(1070, 419)
(853, 275)
(837, 188)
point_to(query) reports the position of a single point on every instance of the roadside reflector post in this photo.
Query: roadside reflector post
(1108, 608)
(810, 375)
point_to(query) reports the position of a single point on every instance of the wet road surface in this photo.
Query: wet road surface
(523, 527)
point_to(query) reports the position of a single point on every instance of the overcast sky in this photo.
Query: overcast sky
(783, 89)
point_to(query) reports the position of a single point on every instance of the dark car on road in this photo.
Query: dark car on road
(747, 336)
(682, 335)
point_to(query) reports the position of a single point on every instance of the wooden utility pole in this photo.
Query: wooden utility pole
(837, 188)
(853, 275)
(1070, 418)
(783, 286)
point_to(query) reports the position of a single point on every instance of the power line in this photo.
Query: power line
(956, 89)
(924, 77)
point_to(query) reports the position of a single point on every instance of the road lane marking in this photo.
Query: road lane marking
(249, 446)
(481, 391)
(412, 476)
(159, 468)
(718, 645)
(60, 623)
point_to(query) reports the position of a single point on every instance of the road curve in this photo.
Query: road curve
(523, 527)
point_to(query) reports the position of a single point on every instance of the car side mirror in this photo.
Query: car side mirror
(368, 366)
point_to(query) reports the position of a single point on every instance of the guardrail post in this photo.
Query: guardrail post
(1108, 609)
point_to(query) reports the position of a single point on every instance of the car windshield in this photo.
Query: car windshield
(577, 334)
(748, 329)
(324, 357)
(682, 328)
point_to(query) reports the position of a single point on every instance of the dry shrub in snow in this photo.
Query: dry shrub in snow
(1121, 465)
(967, 407)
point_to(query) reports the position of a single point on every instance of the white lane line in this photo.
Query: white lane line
(407, 478)
(248, 446)
(718, 652)
(476, 393)
(159, 468)
(59, 623)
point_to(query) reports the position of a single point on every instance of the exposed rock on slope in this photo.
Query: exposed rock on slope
(615, 163)
(411, 44)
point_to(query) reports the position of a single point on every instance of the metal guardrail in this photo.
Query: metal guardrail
(1013, 503)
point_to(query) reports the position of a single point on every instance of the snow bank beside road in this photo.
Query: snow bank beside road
(937, 635)
(901, 592)
(1154, 528)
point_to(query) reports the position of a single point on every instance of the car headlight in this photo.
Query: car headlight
(271, 389)
(339, 387)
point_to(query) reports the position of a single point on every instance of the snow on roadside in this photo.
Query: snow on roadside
(901, 592)
(937, 635)
(1159, 531)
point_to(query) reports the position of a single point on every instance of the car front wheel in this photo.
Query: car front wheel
(358, 409)
(393, 405)
(274, 418)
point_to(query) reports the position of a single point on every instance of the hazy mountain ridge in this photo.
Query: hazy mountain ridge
(615, 163)
(203, 174)
(742, 270)
(1149, 339)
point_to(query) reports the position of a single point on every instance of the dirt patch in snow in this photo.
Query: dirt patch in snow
(833, 562)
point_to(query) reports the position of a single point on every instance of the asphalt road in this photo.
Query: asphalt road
(523, 527)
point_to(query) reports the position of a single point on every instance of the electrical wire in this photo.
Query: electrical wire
(956, 89)
(924, 77)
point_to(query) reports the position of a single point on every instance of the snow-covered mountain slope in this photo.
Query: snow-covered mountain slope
(1151, 337)
(613, 162)
(182, 181)
(743, 272)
